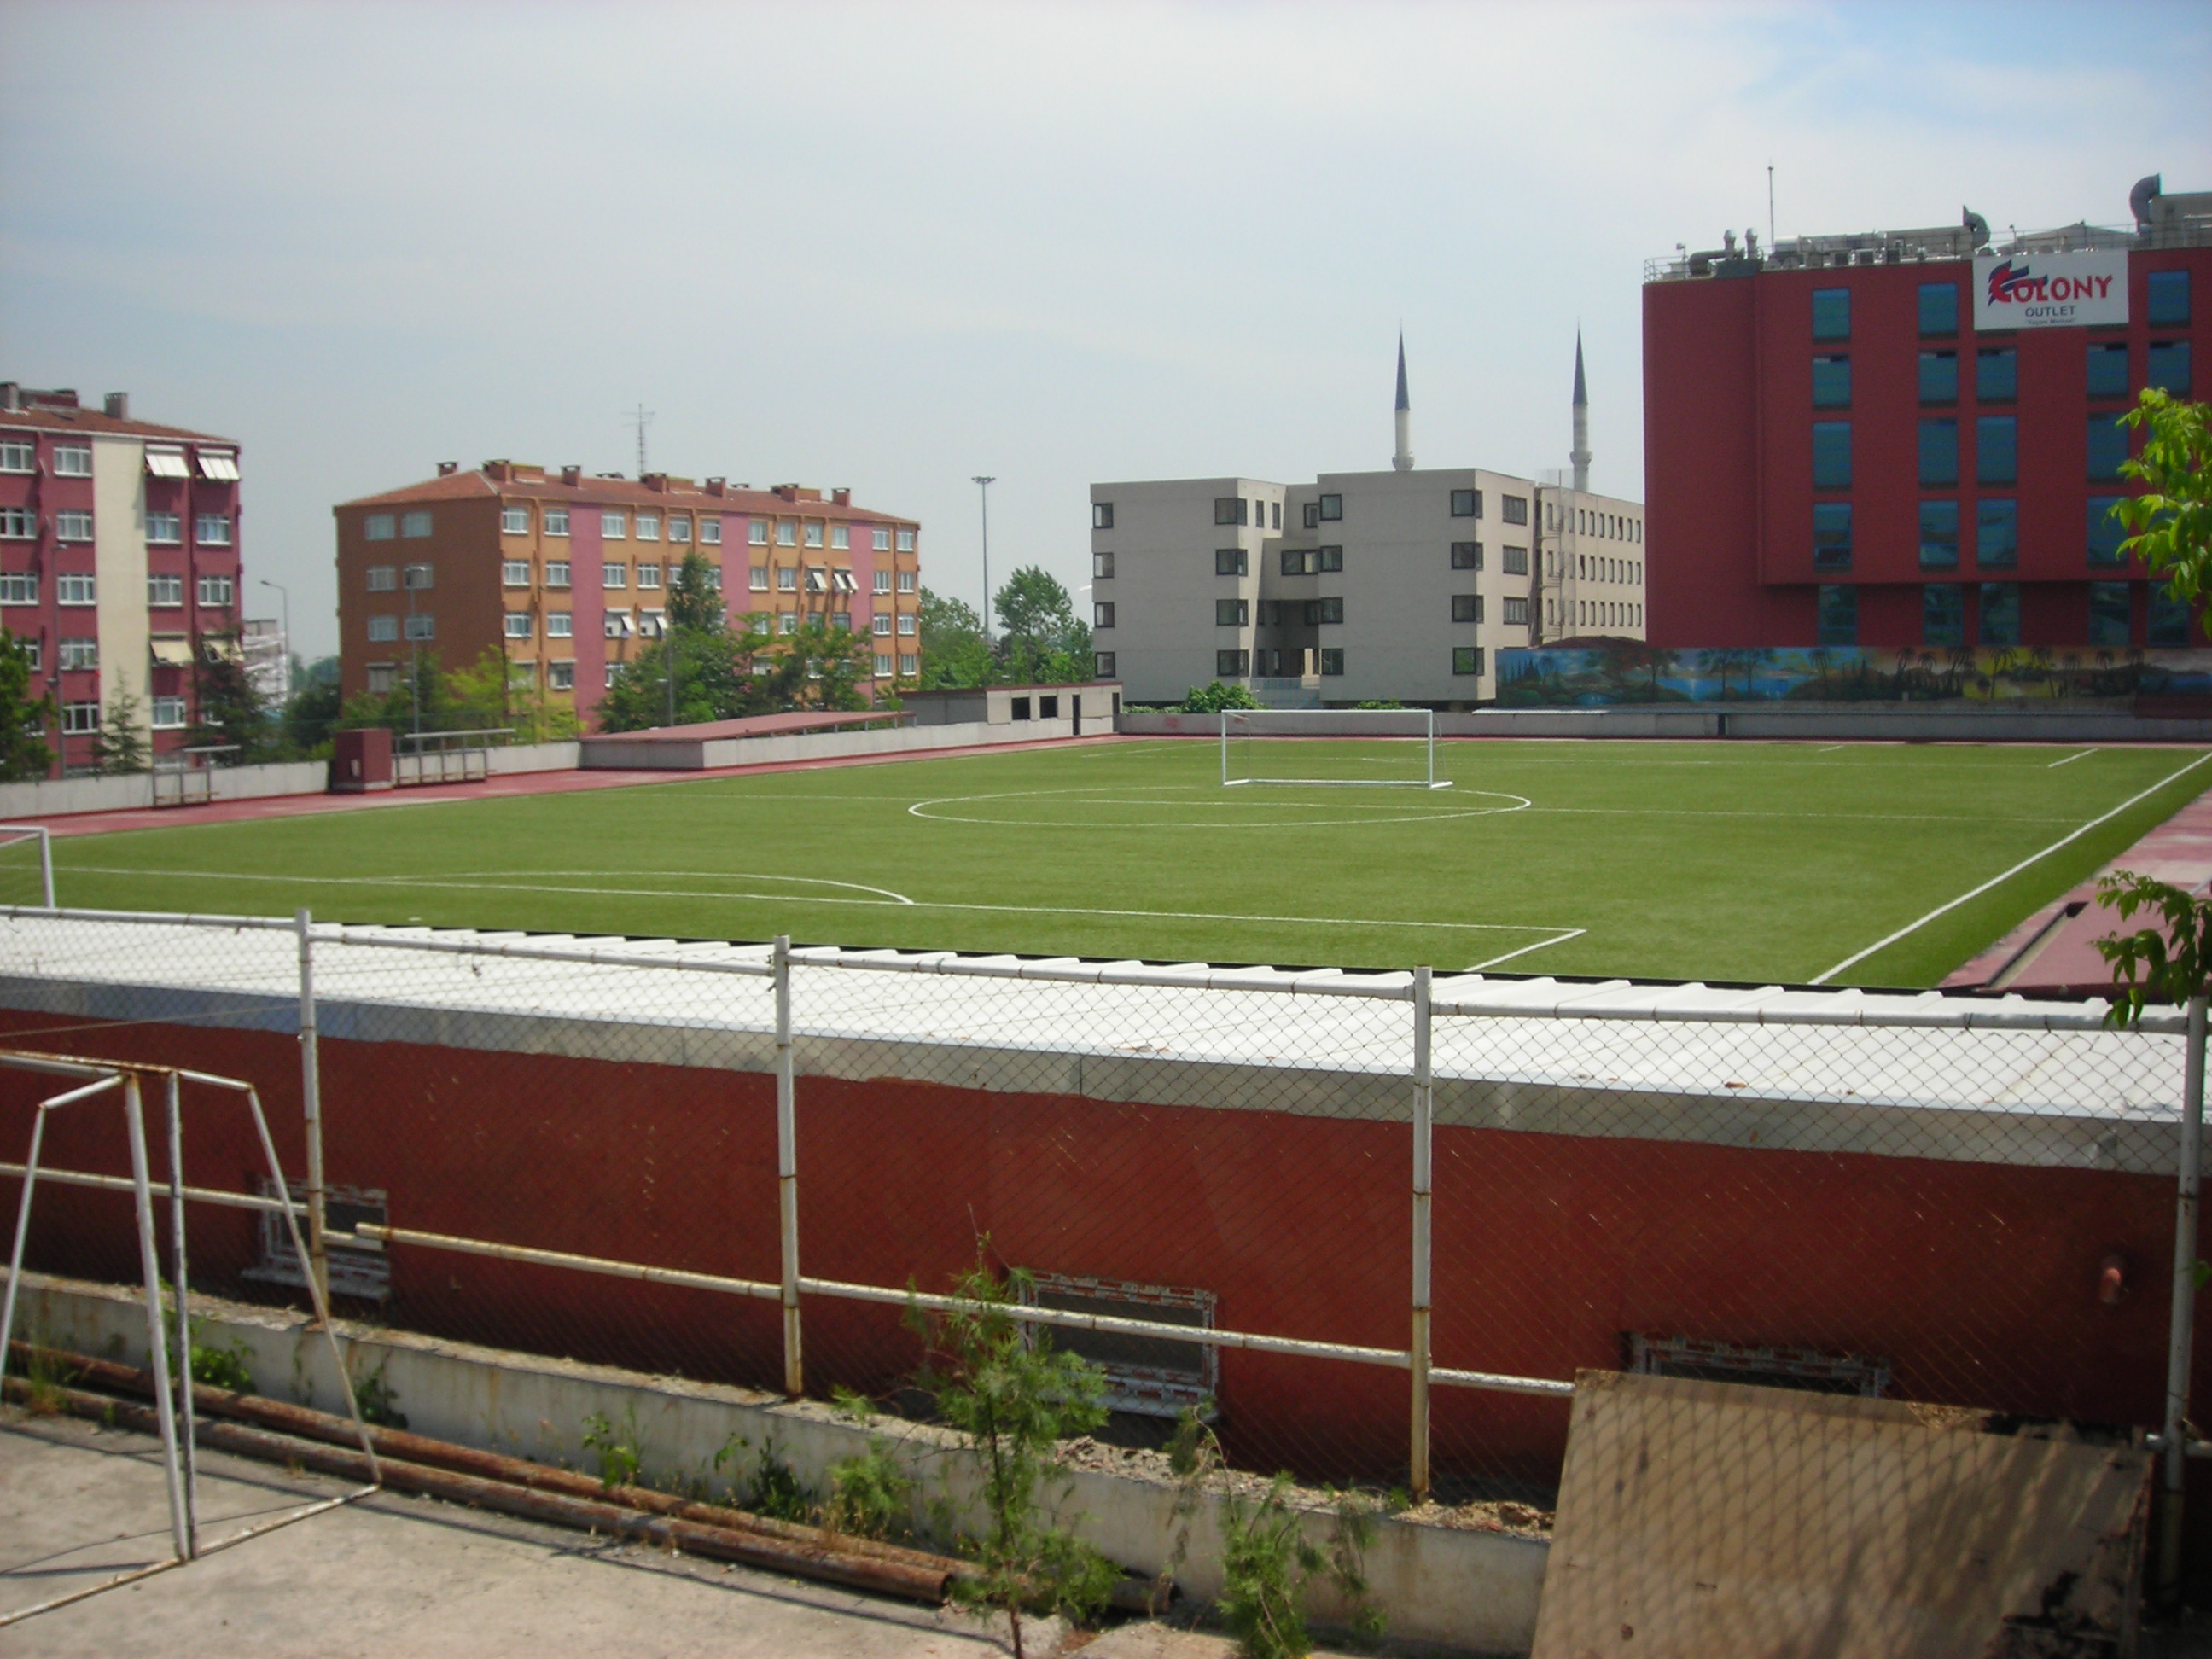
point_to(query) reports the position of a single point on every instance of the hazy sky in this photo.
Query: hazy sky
(893, 246)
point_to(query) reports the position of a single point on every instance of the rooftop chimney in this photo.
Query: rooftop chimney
(718, 486)
(843, 497)
(572, 475)
(117, 405)
(11, 395)
(446, 469)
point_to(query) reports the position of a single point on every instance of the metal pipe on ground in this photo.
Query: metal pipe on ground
(836, 1567)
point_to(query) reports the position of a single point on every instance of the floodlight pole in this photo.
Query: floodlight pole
(983, 485)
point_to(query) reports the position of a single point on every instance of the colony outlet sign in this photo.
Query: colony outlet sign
(2050, 290)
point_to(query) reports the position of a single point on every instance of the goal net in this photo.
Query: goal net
(27, 866)
(1353, 748)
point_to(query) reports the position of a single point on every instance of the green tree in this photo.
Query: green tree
(2171, 521)
(955, 655)
(230, 708)
(485, 696)
(694, 595)
(819, 666)
(1044, 642)
(120, 747)
(310, 715)
(1012, 1397)
(2170, 962)
(1214, 696)
(23, 718)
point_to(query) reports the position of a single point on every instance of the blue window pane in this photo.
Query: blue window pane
(1939, 452)
(1938, 377)
(1838, 622)
(2166, 367)
(1996, 532)
(2169, 618)
(1831, 313)
(1831, 383)
(1832, 454)
(1939, 535)
(2108, 446)
(2000, 613)
(1939, 307)
(1832, 535)
(2166, 293)
(2108, 371)
(2108, 613)
(1996, 450)
(1996, 375)
(1942, 614)
(2106, 532)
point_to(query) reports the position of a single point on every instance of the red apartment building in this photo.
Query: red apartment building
(118, 561)
(1907, 438)
(566, 574)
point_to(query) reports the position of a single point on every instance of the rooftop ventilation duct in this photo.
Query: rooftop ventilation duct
(2147, 191)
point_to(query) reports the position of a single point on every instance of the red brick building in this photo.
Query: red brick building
(1906, 438)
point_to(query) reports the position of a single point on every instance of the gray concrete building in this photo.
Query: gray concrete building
(1399, 585)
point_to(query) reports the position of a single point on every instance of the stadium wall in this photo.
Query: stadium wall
(1766, 722)
(1550, 1248)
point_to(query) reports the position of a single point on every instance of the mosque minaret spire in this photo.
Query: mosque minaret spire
(1403, 459)
(1580, 455)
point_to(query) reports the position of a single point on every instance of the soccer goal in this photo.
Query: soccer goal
(27, 866)
(1348, 748)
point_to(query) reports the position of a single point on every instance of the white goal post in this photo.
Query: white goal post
(1274, 745)
(12, 833)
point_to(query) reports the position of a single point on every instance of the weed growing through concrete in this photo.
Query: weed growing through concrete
(618, 1447)
(775, 1489)
(871, 1496)
(377, 1401)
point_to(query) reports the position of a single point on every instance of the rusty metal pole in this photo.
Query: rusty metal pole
(2181, 1324)
(311, 1093)
(180, 1270)
(157, 1339)
(786, 1172)
(1424, 1113)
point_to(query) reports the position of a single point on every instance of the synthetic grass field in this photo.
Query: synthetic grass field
(1720, 860)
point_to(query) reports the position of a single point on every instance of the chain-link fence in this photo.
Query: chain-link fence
(1373, 1224)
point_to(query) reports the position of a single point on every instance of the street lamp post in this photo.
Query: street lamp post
(291, 688)
(983, 485)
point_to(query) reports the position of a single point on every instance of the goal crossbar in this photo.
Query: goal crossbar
(1415, 726)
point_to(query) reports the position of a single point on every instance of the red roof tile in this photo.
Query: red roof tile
(617, 492)
(93, 420)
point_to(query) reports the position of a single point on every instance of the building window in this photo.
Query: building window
(1996, 375)
(840, 536)
(1996, 532)
(1513, 561)
(1317, 611)
(384, 578)
(418, 577)
(17, 524)
(1831, 313)
(79, 719)
(1838, 616)
(2108, 371)
(164, 529)
(905, 545)
(757, 533)
(2108, 446)
(613, 574)
(72, 461)
(1101, 616)
(73, 526)
(556, 573)
(1332, 659)
(1938, 377)
(881, 623)
(377, 528)
(514, 521)
(1514, 509)
(1466, 607)
(382, 677)
(1939, 535)
(1467, 503)
(211, 530)
(651, 624)
(1831, 383)
(1996, 450)
(1467, 659)
(168, 714)
(1939, 452)
(75, 588)
(1517, 613)
(906, 581)
(648, 574)
(164, 590)
(2169, 618)
(1330, 509)
(2166, 298)
(909, 664)
(19, 587)
(1101, 515)
(679, 530)
(1231, 613)
(1231, 664)
(1467, 556)
(1229, 509)
(787, 579)
(556, 521)
(2108, 613)
(906, 623)
(560, 624)
(1229, 562)
(17, 457)
(216, 592)
(1832, 454)
(421, 628)
(79, 653)
(883, 665)
(2106, 532)
(517, 624)
(648, 526)
(382, 629)
(614, 527)
(1942, 614)
(757, 579)
(1101, 569)
(787, 533)
(1939, 307)
(1999, 619)
(2166, 367)
(561, 676)
(882, 581)
(413, 527)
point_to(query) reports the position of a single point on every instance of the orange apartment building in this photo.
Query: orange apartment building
(565, 574)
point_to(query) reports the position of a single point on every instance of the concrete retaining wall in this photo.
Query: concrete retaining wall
(536, 757)
(56, 797)
(616, 753)
(1773, 722)
(1467, 1588)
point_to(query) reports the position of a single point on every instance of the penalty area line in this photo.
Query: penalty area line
(1914, 927)
(1560, 937)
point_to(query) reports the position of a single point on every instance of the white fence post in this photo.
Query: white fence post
(134, 1118)
(786, 1172)
(2181, 1324)
(311, 1098)
(1424, 1114)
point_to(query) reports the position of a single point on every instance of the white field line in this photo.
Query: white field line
(480, 886)
(1831, 749)
(2069, 760)
(1560, 938)
(1998, 880)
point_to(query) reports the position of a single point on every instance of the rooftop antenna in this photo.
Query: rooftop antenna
(1770, 207)
(641, 419)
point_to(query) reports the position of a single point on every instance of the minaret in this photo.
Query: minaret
(1403, 460)
(1580, 455)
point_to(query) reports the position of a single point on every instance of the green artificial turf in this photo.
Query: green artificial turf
(1720, 860)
